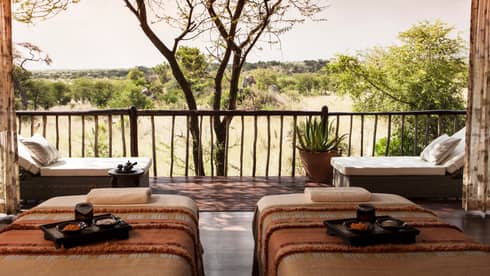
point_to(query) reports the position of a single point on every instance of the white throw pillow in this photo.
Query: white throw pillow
(442, 150)
(25, 159)
(41, 150)
(425, 153)
(455, 161)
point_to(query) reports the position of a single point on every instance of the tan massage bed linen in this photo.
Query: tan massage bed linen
(290, 239)
(164, 241)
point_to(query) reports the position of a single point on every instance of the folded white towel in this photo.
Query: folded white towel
(340, 194)
(116, 196)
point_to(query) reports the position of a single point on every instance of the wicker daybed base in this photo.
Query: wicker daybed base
(39, 188)
(411, 186)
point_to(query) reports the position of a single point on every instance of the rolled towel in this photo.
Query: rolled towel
(337, 194)
(116, 196)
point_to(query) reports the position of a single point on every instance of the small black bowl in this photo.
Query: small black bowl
(106, 221)
(391, 224)
(79, 226)
(123, 171)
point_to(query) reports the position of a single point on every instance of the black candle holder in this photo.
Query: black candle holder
(84, 212)
(366, 213)
(127, 167)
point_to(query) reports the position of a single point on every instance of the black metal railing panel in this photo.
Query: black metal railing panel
(259, 143)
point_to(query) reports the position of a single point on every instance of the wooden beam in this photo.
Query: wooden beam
(476, 188)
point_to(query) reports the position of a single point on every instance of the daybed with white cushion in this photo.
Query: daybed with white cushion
(69, 176)
(410, 176)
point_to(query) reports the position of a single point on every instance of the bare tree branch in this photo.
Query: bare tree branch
(29, 52)
(190, 26)
(29, 11)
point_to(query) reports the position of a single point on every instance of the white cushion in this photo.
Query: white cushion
(91, 166)
(442, 150)
(425, 154)
(337, 194)
(41, 150)
(117, 196)
(455, 160)
(25, 159)
(392, 165)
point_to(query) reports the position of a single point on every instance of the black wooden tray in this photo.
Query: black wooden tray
(90, 234)
(378, 234)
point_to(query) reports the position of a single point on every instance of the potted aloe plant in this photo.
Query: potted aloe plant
(317, 144)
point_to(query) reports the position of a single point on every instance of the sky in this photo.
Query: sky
(97, 34)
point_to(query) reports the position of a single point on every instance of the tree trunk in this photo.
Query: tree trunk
(194, 122)
(221, 127)
(220, 130)
(140, 13)
(196, 146)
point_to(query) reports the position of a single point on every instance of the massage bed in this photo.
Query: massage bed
(291, 239)
(164, 241)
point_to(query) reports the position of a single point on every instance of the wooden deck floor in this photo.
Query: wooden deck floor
(229, 194)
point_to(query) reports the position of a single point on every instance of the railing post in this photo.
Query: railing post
(324, 113)
(133, 130)
(325, 117)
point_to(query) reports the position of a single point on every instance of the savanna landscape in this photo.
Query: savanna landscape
(343, 84)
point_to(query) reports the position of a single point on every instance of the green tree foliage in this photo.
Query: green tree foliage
(129, 94)
(163, 73)
(195, 67)
(97, 87)
(102, 91)
(111, 93)
(46, 94)
(137, 76)
(97, 92)
(286, 82)
(34, 93)
(82, 89)
(62, 92)
(40, 94)
(426, 70)
(264, 78)
(20, 79)
(307, 83)
(193, 62)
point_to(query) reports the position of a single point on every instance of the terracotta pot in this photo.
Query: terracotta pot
(317, 165)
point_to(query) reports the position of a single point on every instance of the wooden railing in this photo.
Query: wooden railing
(260, 143)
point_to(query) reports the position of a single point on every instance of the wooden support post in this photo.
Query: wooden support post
(476, 187)
(9, 196)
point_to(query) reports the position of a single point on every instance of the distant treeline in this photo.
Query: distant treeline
(264, 85)
(306, 66)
